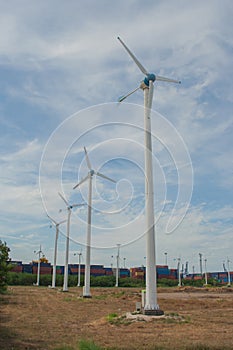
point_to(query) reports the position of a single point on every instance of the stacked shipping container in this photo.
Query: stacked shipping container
(99, 270)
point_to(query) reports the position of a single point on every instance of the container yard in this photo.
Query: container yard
(163, 271)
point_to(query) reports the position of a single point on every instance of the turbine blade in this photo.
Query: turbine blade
(105, 177)
(130, 93)
(63, 198)
(51, 219)
(61, 222)
(140, 66)
(77, 205)
(87, 159)
(168, 80)
(82, 181)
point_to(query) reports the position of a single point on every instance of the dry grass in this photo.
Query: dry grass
(42, 318)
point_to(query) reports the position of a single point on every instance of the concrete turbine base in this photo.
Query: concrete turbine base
(156, 312)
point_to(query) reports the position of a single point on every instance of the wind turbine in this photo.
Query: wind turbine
(57, 224)
(91, 173)
(38, 266)
(69, 207)
(79, 266)
(147, 86)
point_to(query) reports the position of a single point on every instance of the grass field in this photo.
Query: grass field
(42, 318)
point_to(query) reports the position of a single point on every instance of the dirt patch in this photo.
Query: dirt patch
(41, 318)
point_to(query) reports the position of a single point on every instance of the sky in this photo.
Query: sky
(62, 71)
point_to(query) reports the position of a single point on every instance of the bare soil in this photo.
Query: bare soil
(43, 318)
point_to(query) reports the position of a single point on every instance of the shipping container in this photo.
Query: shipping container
(124, 273)
(171, 277)
(163, 272)
(27, 268)
(196, 278)
(35, 263)
(43, 270)
(159, 276)
(139, 273)
(73, 270)
(97, 266)
(17, 268)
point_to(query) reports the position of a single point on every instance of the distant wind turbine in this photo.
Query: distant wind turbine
(79, 266)
(151, 306)
(69, 207)
(38, 266)
(91, 173)
(57, 224)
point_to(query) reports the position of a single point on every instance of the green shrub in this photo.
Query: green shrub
(21, 279)
(166, 282)
(131, 282)
(88, 345)
(103, 281)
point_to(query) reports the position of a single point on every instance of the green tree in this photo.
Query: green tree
(4, 265)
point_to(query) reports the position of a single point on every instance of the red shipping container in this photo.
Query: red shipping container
(196, 278)
(162, 276)
(171, 277)
(98, 271)
(74, 270)
(17, 268)
(43, 270)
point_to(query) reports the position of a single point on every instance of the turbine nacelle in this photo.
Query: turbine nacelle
(91, 172)
(148, 76)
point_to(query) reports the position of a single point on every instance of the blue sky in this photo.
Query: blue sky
(62, 71)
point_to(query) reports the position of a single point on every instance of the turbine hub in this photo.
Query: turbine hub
(92, 172)
(149, 77)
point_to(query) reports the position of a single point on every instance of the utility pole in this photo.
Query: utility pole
(117, 268)
(200, 255)
(228, 272)
(165, 258)
(186, 268)
(193, 271)
(179, 273)
(206, 280)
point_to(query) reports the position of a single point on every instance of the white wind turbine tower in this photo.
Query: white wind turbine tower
(79, 267)
(69, 207)
(151, 306)
(38, 266)
(91, 173)
(57, 224)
